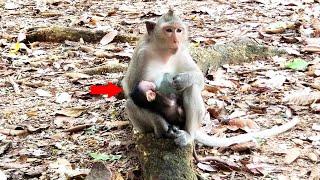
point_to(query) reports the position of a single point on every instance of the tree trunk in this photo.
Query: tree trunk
(162, 159)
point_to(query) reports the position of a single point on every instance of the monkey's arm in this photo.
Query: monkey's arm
(187, 79)
(189, 75)
(225, 142)
(134, 73)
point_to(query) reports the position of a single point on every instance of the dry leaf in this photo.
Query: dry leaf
(11, 5)
(4, 146)
(13, 132)
(72, 112)
(303, 97)
(21, 36)
(255, 169)
(237, 113)
(63, 97)
(103, 54)
(312, 41)
(244, 146)
(64, 168)
(14, 85)
(77, 75)
(87, 49)
(316, 126)
(35, 171)
(314, 138)
(116, 124)
(211, 88)
(275, 81)
(43, 93)
(63, 121)
(108, 37)
(315, 107)
(247, 125)
(14, 165)
(314, 70)
(292, 155)
(32, 113)
(313, 45)
(313, 157)
(224, 165)
(297, 141)
(3, 175)
(78, 128)
(277, 27)
(259, 109)
(206, 167)
(316, 25)
(312, 49)
(283, 177)
(99, 171)
(117, 176)
(315, 173)
(38, 129)
(214, 111)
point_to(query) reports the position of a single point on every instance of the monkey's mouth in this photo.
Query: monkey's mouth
(174, 50)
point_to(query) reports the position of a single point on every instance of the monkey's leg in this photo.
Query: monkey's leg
(195, 111)
(145, 121)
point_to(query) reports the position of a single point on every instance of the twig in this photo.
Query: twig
(78, 128)
(14, 85)
(13, 132)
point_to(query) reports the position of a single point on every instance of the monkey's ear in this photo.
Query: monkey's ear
(150, 26)
(170, 12)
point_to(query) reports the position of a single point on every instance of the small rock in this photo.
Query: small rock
(292, 155)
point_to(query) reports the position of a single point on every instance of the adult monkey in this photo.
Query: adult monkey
(164, 50)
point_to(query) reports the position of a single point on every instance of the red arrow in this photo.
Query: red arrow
(109, 89)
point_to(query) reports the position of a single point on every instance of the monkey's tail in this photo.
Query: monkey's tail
(211, 141)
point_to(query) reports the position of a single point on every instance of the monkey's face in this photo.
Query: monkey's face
(174, 36)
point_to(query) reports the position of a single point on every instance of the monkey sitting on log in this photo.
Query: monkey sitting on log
(164, 50)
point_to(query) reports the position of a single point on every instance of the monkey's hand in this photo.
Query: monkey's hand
(181, 137)
(182, 81)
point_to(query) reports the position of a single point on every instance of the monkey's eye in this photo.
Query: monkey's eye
(179, 30)
(169, 30)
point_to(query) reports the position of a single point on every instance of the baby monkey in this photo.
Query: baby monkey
(169, 106)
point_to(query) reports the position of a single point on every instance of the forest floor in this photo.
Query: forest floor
(52, 128)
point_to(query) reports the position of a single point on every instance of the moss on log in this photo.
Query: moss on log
(60, 34)
(161, 159)
(235, 52)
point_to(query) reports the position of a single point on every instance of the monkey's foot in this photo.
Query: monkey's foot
(172, 132)
(183, 138)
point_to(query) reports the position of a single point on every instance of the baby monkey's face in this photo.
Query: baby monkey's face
(149, 89)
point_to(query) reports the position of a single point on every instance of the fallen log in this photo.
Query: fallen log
(60, 34)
